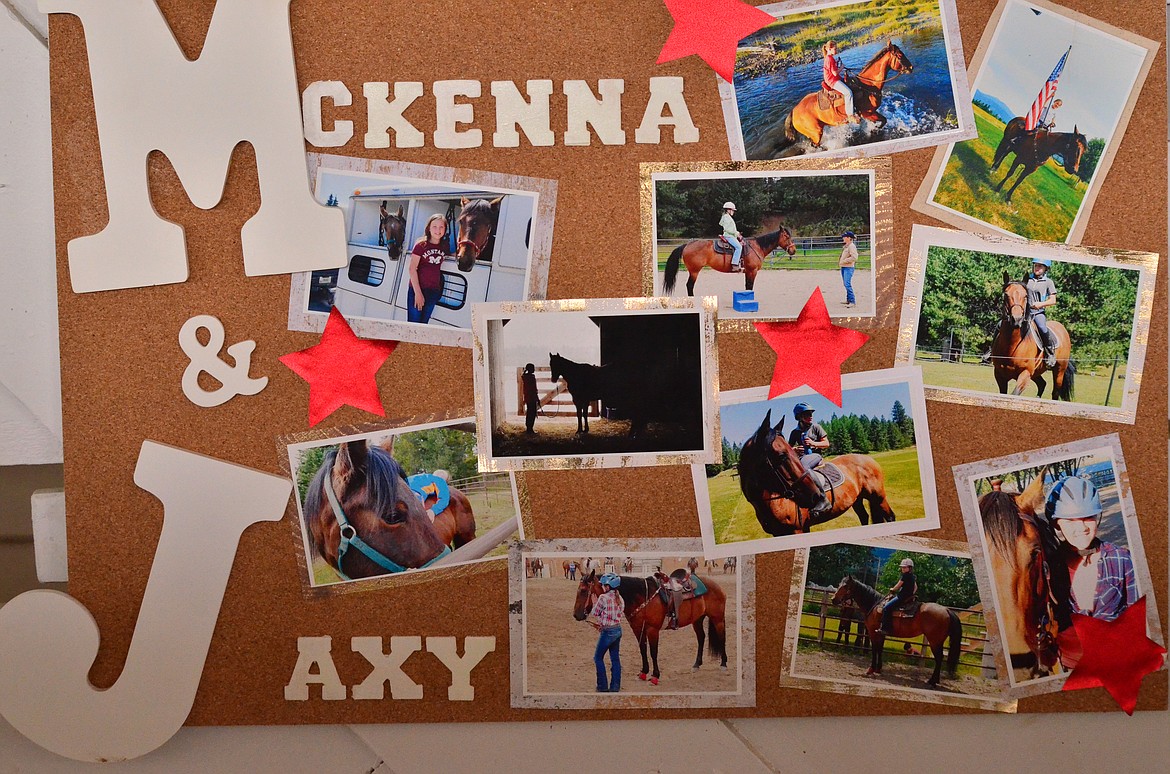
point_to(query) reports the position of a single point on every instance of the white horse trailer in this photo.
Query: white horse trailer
(374, 285)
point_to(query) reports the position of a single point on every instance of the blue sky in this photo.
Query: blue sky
(740, 420)
(1097, 77)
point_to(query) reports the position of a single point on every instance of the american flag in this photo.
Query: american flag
(1039, 110)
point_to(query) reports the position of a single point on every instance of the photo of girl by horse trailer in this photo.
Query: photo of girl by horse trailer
(798, 470)
(1054, 90)
(423, 249)
(762, 236)
(649, 623)
(922, 631)
(1033, 326)
(1054, 534)
(849, 79)
(597, 382)
(376, 505)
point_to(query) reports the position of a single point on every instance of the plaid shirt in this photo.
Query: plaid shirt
(1116, 585)
(608, 609)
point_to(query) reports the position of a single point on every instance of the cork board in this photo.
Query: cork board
(121, 368)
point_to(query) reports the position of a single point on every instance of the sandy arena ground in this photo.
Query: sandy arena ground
(783, 294)
(824, 664)
(559, 649)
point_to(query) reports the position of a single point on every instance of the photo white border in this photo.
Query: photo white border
(959, 89)
(924, 198)
(911, 376)
(290, 448)
(790, 678)
(704, 307)
(922, 238)
(543, 192)
(745, 635)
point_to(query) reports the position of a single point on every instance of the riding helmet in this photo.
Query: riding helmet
(800, 408)
(907, 562)
(729, 205)
(610, 580)
(1073, 498)
(1046, 262)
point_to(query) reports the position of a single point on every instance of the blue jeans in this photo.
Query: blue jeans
(888, 613)
(611, 637)
(430, 298)
(810, 460)
(847, 278)
(737, 250)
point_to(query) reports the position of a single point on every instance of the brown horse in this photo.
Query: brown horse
(364, 520)
(477, 231)
(1033, 148)
(809, 119)
(392, 230)
(782, 492)
(701, 252)
(456, 523)
(1016, 355)
(647, 613)
(1018, 540)
(935, 621)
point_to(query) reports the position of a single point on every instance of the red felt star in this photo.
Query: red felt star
(712, 29)
(810, 351)
(341, 370)
(1118, 654)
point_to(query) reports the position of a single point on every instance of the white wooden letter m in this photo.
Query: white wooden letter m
(148, 95)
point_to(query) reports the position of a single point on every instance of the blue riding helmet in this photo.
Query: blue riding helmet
(610, 580)
(1045, 262)
(1073, 498)
(800, 408)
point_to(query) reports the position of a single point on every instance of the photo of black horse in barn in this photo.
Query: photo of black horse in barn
(595, 382)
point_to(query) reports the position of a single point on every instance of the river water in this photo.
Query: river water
(918, 103)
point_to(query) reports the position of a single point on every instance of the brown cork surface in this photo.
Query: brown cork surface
(121, 365)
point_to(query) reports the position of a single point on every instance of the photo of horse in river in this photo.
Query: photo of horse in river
(898, 68)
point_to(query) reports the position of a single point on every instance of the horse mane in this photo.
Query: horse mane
(871, 595)
(768, 241)
(381, 471)
(632, 588)
(477, 206)
(879, 54)
(1001, 519)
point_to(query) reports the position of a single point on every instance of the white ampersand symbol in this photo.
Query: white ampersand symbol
(234, 379)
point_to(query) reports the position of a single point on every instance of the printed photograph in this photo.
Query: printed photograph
(647, 624)
(1036, 326)
(900, 618)
(1052, 95)
(601, 382)
(375, 504)
(849, 78)
(763, 238)
(422, 250)
(798, 470)
(1055, 534)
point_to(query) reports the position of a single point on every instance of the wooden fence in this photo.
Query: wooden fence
(555, 400)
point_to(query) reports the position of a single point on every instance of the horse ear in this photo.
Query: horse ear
(400, 211)
(1007, 280)
(495, 203)
(464, 201)
(1075, 129)
(1031, 500)
(762, 430)
(350, 461)
(387, 445)
(779, 428)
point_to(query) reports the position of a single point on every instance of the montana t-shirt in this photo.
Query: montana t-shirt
(430, 261)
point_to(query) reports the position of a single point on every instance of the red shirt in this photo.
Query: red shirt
(832, 70)
(430, 260)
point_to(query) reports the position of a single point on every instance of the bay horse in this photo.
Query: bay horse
(391, 231)
(364, 520)
(810, 119)
(700, 252)
(937, 622)
(647, 613)
(1019, 540)
(477, 231)
(783, 493)
(1033, 148)
(1015, 354)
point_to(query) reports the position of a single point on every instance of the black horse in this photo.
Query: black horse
(586, 383)
(1033, 148)
(632, 392)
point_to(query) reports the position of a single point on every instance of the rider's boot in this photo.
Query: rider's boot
(1050, 350)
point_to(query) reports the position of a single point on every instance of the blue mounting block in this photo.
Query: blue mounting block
(744, 301)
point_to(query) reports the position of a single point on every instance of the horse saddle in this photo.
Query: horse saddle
(908, 609)
(1038, 338)
(691, 586)
(827, 98)
(428, 486)
(722, 246)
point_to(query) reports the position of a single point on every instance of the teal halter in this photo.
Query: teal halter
(350, 537)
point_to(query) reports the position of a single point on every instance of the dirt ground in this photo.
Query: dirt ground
(559, 649)
(559, 437)
(817, 663)
(783, 293)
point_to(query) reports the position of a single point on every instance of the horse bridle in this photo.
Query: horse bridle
(387, 242)
(871, 84)
(478, 248)
(789, 491)
(350, 537)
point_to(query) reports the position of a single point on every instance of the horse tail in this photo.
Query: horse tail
(956, 650)
(1066, 386)
(789, 131)
(716, 638)
(671, 269)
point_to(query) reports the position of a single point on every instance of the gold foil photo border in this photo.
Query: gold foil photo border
(1146, 264)
(885, 278)
(681, 644)
(790, 676)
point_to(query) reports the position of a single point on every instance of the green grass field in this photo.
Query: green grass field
(1089, 387)
(735, 520)
(1043, 207)
(823, 259)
